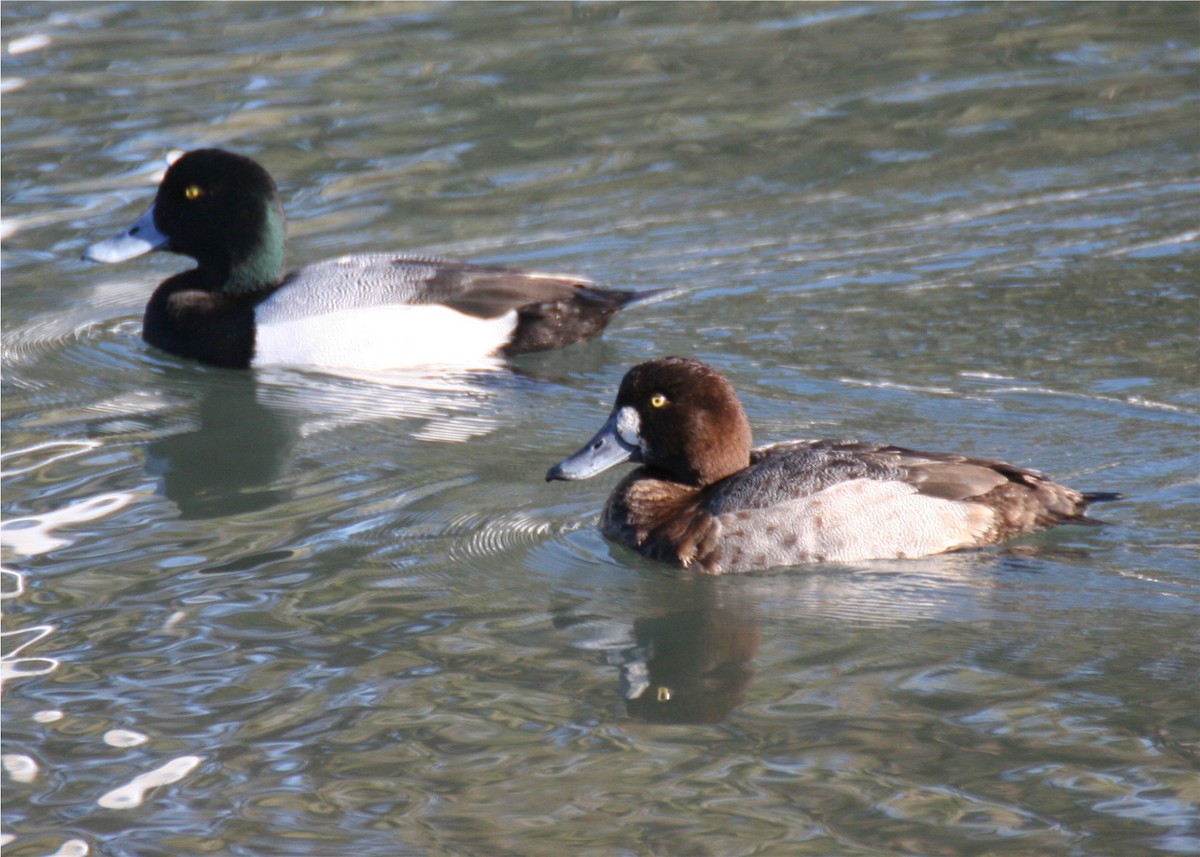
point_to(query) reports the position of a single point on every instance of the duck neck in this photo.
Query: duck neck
(259, 265)
(719, 454)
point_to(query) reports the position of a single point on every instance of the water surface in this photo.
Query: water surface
(294, 613)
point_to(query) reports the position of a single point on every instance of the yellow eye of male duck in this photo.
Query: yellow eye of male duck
(658, 400)
(192, 191)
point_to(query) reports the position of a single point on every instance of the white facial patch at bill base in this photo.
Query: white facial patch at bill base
(629, 427)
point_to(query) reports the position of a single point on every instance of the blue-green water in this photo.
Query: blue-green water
(345, 615)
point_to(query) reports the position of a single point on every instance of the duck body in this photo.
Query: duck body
(703, 499)
(367, 311)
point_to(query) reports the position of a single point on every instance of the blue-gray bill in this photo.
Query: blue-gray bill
(616, 442)
(138, 239)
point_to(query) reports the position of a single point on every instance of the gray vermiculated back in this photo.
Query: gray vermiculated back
(366, 280)
(349, 282)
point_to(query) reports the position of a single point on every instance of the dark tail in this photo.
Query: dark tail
(624, 297)
(582, 315)
(1090, 498)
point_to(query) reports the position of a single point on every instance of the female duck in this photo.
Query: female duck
(366, 311)
(705, 500)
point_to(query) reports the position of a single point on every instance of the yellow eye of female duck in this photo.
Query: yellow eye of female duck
(658, 400)
(192, 191)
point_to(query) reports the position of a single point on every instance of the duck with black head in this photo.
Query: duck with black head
(237, 309)
(704, 499)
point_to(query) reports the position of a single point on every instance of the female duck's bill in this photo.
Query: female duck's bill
(618, 441)
(364, 311)
(704, 499)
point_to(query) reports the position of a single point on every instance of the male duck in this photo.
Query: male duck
(705, 500)
(364, 311)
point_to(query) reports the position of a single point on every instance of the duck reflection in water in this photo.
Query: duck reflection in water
(683, 666)
(228, 464)
(249, 425)
(688, 667)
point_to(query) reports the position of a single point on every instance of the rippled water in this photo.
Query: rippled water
(294, 613)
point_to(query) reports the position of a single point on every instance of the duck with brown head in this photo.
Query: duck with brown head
(704, 499)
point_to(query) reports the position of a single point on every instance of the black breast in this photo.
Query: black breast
(200, 325)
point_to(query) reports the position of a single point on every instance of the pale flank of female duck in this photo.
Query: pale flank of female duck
(703, 499)
(237, 309)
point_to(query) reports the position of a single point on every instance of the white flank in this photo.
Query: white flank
(855, 520)
(390, 337)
